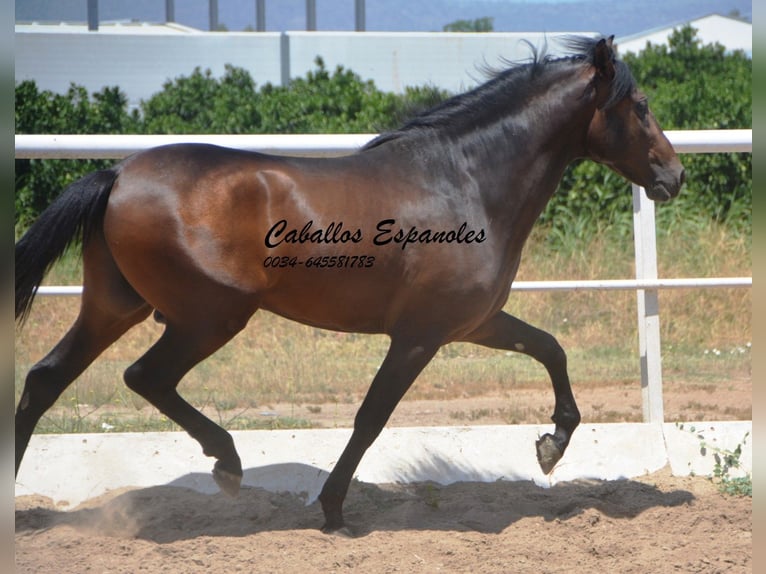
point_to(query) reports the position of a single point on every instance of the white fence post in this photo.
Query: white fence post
(645, 240)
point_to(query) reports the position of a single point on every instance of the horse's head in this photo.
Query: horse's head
(624, 133)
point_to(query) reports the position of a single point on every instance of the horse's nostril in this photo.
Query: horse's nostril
(682, 177)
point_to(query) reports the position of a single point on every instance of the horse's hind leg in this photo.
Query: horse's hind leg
(504, 331)
(108, 309)
(156, 375)
(50, 377)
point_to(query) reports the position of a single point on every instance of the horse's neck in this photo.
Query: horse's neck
(521, 163)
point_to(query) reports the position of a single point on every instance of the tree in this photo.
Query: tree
(325, 102)
(39, 181)
(201, 103)
(485, 24)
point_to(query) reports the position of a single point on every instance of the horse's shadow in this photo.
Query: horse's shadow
(190, 506)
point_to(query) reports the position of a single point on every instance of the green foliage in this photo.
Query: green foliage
(40, 112)
(202, 104)
(485, 24)
(321, 102)
(73, 112)
(695, 86)
(326, 103)
(725, 461)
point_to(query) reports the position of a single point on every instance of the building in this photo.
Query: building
(140, 58)
(732, 33)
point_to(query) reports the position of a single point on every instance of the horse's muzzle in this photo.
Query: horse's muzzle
(666, 188)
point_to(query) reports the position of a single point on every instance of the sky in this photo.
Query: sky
(620, 17)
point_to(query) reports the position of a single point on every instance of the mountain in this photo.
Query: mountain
(618, 17)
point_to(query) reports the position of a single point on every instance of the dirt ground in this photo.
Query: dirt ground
(605, 403)
(657, 523)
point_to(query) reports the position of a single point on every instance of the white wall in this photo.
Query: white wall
(452, 61)
(732, 33)
(140, 63)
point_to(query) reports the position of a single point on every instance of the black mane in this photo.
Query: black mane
(506, 89)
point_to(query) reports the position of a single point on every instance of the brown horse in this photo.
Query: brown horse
(418, 236)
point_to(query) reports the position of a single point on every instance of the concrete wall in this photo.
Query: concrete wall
(73, 468)
(140, 63)
(397, 60)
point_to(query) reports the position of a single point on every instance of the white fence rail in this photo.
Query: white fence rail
(568, 285)
(646, 284)
(120, 146)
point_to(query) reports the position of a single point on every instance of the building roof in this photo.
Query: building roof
(131, 27)
(732, 33)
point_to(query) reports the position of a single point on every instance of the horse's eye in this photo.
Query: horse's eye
(642, 108)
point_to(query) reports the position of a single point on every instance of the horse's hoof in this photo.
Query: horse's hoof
(228, 482)
(343, 532)
(335, 527)
(548, 453)
(333, 522)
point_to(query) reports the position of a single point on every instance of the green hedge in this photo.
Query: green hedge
(690, 86)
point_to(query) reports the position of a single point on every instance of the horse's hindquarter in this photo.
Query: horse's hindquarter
(335, 243)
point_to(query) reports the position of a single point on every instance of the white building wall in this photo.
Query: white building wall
(452, 61)
(732, 33)
(139, 63)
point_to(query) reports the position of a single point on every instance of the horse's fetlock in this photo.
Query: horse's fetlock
(222, 449)
(568, 418)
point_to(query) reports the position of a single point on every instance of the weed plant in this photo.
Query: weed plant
(727, 468)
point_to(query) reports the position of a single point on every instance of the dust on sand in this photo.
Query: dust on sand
(657, 523)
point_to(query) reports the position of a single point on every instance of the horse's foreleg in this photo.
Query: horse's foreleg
(401, 366)
(155, 377)
(504, 331)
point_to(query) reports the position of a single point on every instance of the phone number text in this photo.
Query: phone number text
(321, 262)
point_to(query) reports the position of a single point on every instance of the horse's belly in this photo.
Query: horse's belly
(331, 300)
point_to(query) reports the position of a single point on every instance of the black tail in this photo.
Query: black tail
(72, 215)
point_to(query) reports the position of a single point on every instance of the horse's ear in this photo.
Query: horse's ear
(603, 58)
